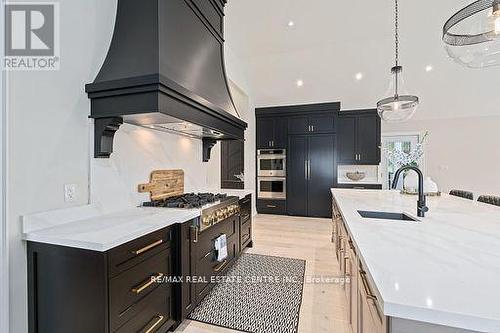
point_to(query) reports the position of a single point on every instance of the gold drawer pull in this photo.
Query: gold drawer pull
(156, 323)
(219, 267)
(147, 248)
(139, 289)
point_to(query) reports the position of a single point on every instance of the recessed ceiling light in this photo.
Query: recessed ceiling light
(359, 76)
(291, 23)
(300, 83)
(428, 68)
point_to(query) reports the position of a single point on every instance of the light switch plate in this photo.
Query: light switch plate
(69, 192)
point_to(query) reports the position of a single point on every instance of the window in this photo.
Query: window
(402, 142)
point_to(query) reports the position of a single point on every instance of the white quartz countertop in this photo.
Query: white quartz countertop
(88, 227)
(444, 270)
(97, 232)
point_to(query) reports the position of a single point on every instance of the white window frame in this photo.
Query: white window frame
(383, 165)
(4, 242)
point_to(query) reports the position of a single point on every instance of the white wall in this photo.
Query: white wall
(460, 153)
(4, 247)
(50, 140)
(137, 152)
(331, 41)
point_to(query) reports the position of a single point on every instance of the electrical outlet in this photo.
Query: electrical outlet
(69, 192)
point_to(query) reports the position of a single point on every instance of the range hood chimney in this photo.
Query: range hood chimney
(165, 71)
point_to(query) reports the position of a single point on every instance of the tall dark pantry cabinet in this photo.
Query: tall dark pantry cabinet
(311, 174)
(310, 155)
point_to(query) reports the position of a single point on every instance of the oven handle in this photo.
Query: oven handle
(271, 157)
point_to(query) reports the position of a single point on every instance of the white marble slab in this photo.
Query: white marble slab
(444, 270)
(85, 228)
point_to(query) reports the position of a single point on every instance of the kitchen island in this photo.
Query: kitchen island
(439, 274)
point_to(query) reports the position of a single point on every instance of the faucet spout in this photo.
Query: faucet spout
(421, 203)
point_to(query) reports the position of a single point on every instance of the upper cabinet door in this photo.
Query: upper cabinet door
(232, 163)
(322, 124)
(347, 140)
(265, 133)
(298, 125)
(315, 124)
(368, 139)
(280, 139)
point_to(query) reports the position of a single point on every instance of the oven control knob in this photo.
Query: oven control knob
(206, 220)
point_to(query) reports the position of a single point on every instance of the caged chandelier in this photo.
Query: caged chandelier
(472, 35)
(398, 107)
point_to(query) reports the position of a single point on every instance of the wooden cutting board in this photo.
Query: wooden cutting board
(164, 184)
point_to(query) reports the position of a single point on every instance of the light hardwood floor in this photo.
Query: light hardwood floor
(323, 305)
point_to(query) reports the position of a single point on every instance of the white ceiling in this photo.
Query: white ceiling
(332, 40)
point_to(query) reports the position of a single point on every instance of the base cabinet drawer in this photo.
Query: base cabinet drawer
(277, 207)
(156, 315)
(132, 253)
(127, 290)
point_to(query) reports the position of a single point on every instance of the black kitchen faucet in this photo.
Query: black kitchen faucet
(421, 206)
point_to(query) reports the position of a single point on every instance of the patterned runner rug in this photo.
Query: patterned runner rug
(261, 294)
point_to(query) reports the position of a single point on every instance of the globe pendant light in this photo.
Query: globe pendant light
(472, 35)
(398, 107)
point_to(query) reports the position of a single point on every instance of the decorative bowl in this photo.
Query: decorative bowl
(355, 176)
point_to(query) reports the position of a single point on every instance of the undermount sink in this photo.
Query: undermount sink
(386, 216)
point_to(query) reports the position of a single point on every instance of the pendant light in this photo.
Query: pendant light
(472, 35)
(398, 107)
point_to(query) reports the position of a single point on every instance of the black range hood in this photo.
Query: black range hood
(165, 71)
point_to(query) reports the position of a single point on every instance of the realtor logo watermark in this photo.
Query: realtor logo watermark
(31, 36)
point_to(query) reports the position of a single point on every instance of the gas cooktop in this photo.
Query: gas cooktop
(189, 200)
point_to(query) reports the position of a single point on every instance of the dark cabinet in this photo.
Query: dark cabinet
(280, 132)
(311, 175)
(297, 175)
(185, 296)
(270, 206)
(265, 132)
(271, 132)
(347, 152)
(359, 137)
(245, 222)
(369, 138)
(308, 133)
(102, 292)
(317, 124)
(206, 265)
(232, 164)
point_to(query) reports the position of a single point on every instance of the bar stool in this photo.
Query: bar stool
(462, 194)
(489, 199)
